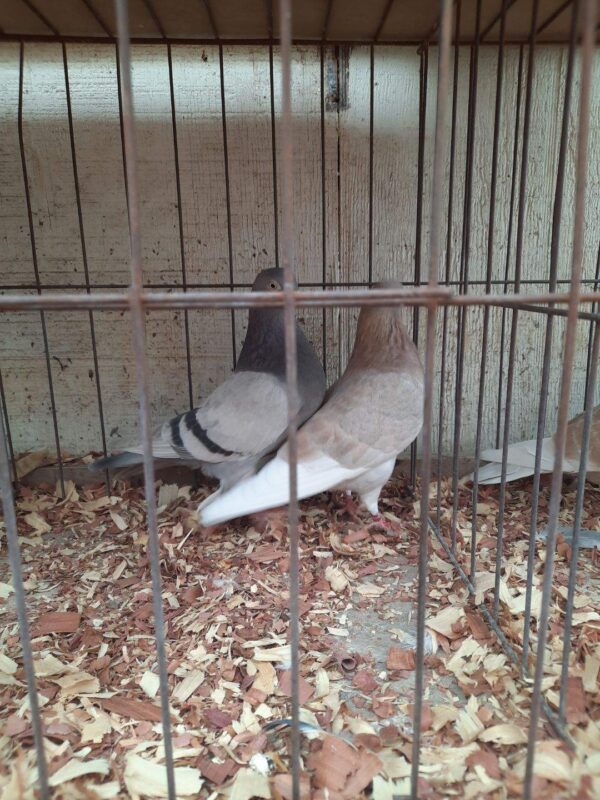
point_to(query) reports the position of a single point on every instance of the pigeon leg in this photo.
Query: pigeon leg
(349, 506)
(371, 501)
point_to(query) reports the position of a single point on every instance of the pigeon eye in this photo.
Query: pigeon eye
(274, 285)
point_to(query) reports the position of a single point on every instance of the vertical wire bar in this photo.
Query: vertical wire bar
(84, 258)
(590, 335)
(488, 285)
(37, 272)
(583, 465)
(546, 362)
(138, 330)
(464, 269)
(338, 56)
(291, 370)
(424, 53)
(14, 558)
(227, 194)
(511, 208)
(434, 257)
(186, 321)
(269, 13)
(588, 41)
(515, 312)
(274, 156)
(11, 451)
(371, 121)
(448, 259)
(323, 200)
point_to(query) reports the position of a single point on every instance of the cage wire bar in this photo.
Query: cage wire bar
(14, 559)
(545, 378)
(461, 317)
(430, 294)
(291, 374)
(488, 278)
(515, 311)
(596, 317)
(351, 298)
(448, 259)
(585, 442)
(138, 330)
(434, 255)
(423, 75)
(587, 50)
(513, 188)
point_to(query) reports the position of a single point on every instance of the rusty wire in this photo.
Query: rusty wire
(335, 298)
(434, 258)
(588, 37)
(136, 306)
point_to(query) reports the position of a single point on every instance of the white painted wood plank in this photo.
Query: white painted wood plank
(200, 139)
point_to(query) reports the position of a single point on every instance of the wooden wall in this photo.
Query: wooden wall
(344, 177)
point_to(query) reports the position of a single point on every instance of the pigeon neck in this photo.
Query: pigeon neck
(264, 345)
(381, 339)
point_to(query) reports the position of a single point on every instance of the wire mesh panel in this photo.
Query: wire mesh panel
(509, 333)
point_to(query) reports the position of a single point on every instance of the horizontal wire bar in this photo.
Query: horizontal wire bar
(590, 316)
(23, 287)
(416, 296)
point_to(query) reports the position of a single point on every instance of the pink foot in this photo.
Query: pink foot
(382, 522)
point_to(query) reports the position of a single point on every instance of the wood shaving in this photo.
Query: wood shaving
(225, 599)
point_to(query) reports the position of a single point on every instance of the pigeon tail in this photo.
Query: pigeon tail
(270, 488)
(116, 462)
(520, 461)
(133, 456)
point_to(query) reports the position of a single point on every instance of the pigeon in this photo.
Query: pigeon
(232, 433)
(370, 415)
(521, 456)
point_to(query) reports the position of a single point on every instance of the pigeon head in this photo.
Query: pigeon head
(269, 280)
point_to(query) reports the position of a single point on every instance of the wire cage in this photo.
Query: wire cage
(481, 198)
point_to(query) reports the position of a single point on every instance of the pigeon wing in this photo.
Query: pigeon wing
(245, 416)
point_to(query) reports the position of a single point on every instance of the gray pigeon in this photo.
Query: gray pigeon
(521, 456)
(370, 416)
(245, 419)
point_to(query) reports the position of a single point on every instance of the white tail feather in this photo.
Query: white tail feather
(270, 488)
(520, 462)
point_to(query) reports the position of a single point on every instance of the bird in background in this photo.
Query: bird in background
(372, 413)
(521, 456)
(234, 430)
